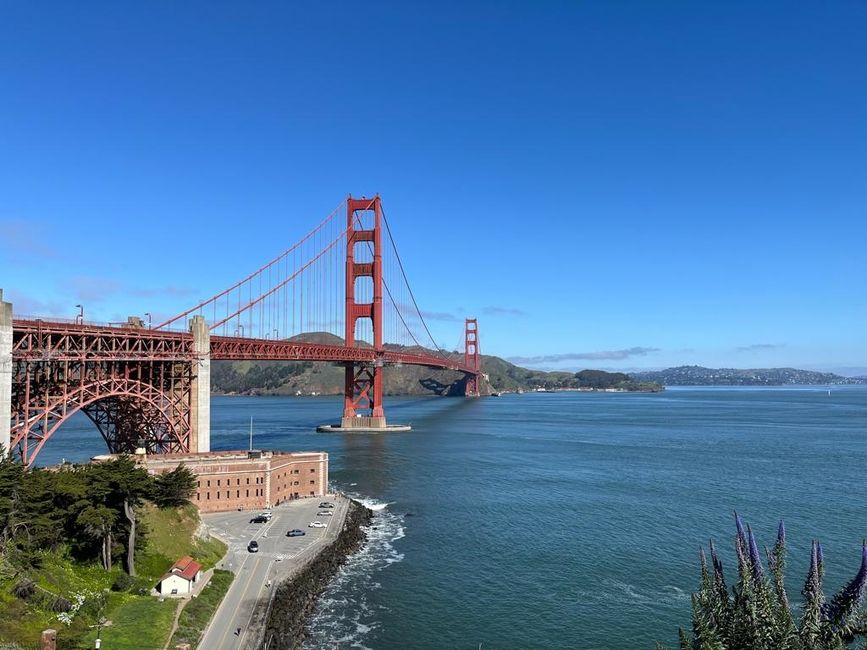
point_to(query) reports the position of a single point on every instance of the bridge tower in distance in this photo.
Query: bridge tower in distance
(472, 356)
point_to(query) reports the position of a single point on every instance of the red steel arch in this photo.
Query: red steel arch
(134, 385)
(126, 412)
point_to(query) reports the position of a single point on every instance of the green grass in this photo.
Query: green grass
(137, 623)
(198, 612)
(170, 536)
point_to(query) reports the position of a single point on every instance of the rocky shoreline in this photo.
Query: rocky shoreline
(295, 599)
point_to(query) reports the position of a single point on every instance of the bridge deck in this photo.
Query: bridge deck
(38, 339)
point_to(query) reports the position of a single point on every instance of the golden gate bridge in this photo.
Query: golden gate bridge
(149, 385)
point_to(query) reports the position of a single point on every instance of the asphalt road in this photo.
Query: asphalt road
(277, 559)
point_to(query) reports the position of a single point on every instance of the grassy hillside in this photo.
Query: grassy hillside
(138, 621)
(290, 377)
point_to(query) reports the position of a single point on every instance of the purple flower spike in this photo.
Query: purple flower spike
(847, 603)
(814, 584)
(772, 559)
(740, 526)
(781, 533)
(755, 558)
(717, 565)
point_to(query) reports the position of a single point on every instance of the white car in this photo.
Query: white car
(324, 514)
(267, 515)
(317, 524)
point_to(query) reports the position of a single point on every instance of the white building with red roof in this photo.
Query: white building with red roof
(181, 579)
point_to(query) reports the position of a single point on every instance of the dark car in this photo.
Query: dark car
(259, 519)
(295, 533)
(253, 546)
(325, 504)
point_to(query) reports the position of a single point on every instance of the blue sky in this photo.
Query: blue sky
(604, 184)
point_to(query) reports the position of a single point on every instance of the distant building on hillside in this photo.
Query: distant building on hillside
(181, 579)
(246, 480)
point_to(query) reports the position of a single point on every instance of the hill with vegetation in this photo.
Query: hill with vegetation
(307, 377)
(82, 546)
(700, 376)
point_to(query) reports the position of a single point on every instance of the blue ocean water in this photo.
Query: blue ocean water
(562, 520)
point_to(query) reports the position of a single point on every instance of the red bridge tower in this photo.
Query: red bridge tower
(363, 383)
(472, 358)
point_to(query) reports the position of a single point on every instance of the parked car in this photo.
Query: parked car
(259, 519)
(253, 546)
(326, 504)
(324, 514)
(317, 524)
(265, 514)
(295, 532)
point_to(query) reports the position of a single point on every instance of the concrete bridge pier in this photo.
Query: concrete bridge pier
(200, 409)
(5, 373)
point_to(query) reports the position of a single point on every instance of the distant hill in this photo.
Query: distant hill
(699, 376)
(306, 377)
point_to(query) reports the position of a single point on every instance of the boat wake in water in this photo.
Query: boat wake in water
(344, 615)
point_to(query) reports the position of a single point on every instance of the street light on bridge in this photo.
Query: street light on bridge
(148, 314)
(79, 319)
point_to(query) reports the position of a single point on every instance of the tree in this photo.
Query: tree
(11, 472)
(757, 614)
(122, 486)
(174, 488)
(97, 522)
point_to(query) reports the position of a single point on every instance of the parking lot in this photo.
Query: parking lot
(278, 558)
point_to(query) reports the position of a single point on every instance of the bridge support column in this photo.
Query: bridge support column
(363, 383)
(5, 374)
(472, 356)
(200, 412)
(363, 390)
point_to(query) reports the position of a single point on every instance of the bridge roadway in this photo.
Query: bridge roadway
(279, 557)
(38, 340)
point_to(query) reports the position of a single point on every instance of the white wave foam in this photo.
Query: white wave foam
(344, 614)
(372, 504)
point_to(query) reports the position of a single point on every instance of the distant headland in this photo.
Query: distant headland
(700, 376)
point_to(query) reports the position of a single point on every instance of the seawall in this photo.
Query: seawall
(295, 598)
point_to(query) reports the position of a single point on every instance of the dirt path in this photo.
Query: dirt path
(206, 576)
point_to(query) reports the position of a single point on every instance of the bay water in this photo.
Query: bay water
(561, 520)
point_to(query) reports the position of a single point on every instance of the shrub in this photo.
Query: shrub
(757, 613)
(123, 582)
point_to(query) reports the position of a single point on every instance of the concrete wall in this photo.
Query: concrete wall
(5, 372)
(201, 406)
(228, 481)
(175, 582)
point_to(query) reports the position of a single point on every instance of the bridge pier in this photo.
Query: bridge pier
(200, 397)
(5, 374)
